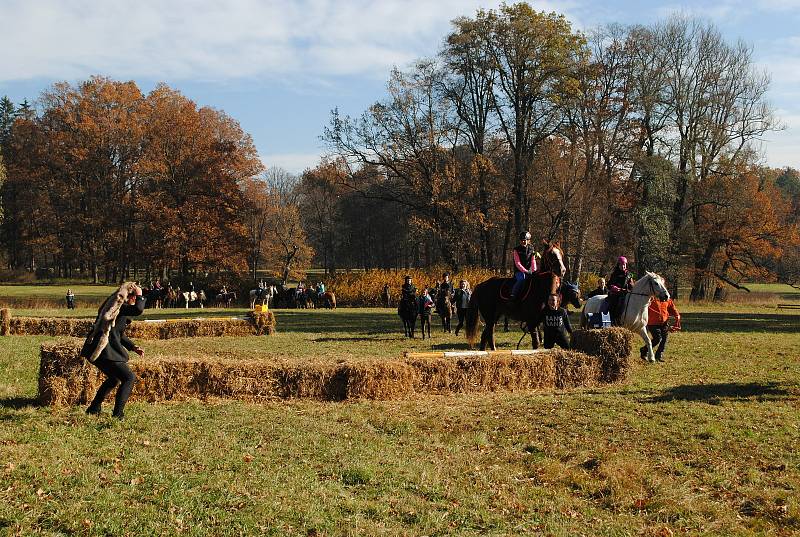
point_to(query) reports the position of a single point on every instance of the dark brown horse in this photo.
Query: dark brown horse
(553, 259)
(491, 300)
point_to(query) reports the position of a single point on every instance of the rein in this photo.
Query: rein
(628, 298)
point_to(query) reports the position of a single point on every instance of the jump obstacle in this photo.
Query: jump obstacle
(599, 357)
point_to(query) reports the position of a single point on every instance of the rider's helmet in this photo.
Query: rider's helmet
(407, 277)
(525, 236)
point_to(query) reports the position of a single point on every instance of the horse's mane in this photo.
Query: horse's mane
(647, 275)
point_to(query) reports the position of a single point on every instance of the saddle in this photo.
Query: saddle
(508, 285)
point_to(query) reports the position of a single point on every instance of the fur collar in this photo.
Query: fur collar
(106, 318)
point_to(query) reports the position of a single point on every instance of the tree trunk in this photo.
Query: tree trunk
(701, 265)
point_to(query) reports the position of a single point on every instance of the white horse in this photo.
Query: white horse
(634, 307)
(192, 296)
(266, 296)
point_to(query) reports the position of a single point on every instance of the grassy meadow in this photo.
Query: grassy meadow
(707, 443)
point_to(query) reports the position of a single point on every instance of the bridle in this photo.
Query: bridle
(652, 293)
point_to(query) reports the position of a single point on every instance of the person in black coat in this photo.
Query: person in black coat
(107, 347)
(601, 288)
(556, 324)
(461, 297)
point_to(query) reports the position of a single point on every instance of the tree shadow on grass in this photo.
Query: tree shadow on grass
(365, 338)
(740, 322)
(715, 393)
(17, 403)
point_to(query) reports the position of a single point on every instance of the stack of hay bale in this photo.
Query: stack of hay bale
(255, 324)
(602, 357)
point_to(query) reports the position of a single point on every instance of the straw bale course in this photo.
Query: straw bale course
(66, 379)
(256, 324)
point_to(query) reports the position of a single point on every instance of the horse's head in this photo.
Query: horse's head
(553, 260)
(571, 293)
(654, 285)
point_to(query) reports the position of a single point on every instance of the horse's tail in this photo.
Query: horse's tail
(472, 319)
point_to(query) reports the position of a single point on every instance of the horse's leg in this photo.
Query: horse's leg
(534, 332)
(487, 336)
(646, 338)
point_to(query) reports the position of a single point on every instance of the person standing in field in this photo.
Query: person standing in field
(425, 310)
(107, 347)
(70, 299)
(658, 315)
(386, 296)
(461, 298)
(556, 324)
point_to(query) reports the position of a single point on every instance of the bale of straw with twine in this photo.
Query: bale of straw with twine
(255, 324)
(66, 379)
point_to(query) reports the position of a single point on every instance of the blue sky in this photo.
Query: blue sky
(279, 67)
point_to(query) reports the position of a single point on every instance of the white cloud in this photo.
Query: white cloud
(292, 162)
(182, 39)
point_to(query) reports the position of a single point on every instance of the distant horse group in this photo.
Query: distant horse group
(173, 297)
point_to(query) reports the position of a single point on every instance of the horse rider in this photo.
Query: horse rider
(619, 283)
(524, 263)
(320, 289)
(190, 287)
(260, 288)
(446, 286)
(408, 291)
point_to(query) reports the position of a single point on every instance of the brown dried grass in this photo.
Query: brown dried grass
(257, 324)
(66, 379)
(5, 322)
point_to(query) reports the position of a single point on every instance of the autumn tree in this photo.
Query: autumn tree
(533, 55)
(738, 227)
(408, 138)
(106, 177)
(197, 161)
(320, 191)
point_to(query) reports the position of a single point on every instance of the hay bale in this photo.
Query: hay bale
(64, 377)
(480, 373)
(50, 326)
(379, 380)
(576, 369)
(612, 345)
(67, 379)
(5, 322)
(264, 322)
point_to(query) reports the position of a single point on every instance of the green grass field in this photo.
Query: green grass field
(706, 443)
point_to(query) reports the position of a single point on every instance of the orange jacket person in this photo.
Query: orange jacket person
(658, 315)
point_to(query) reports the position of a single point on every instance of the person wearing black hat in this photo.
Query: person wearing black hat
(408, 291)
